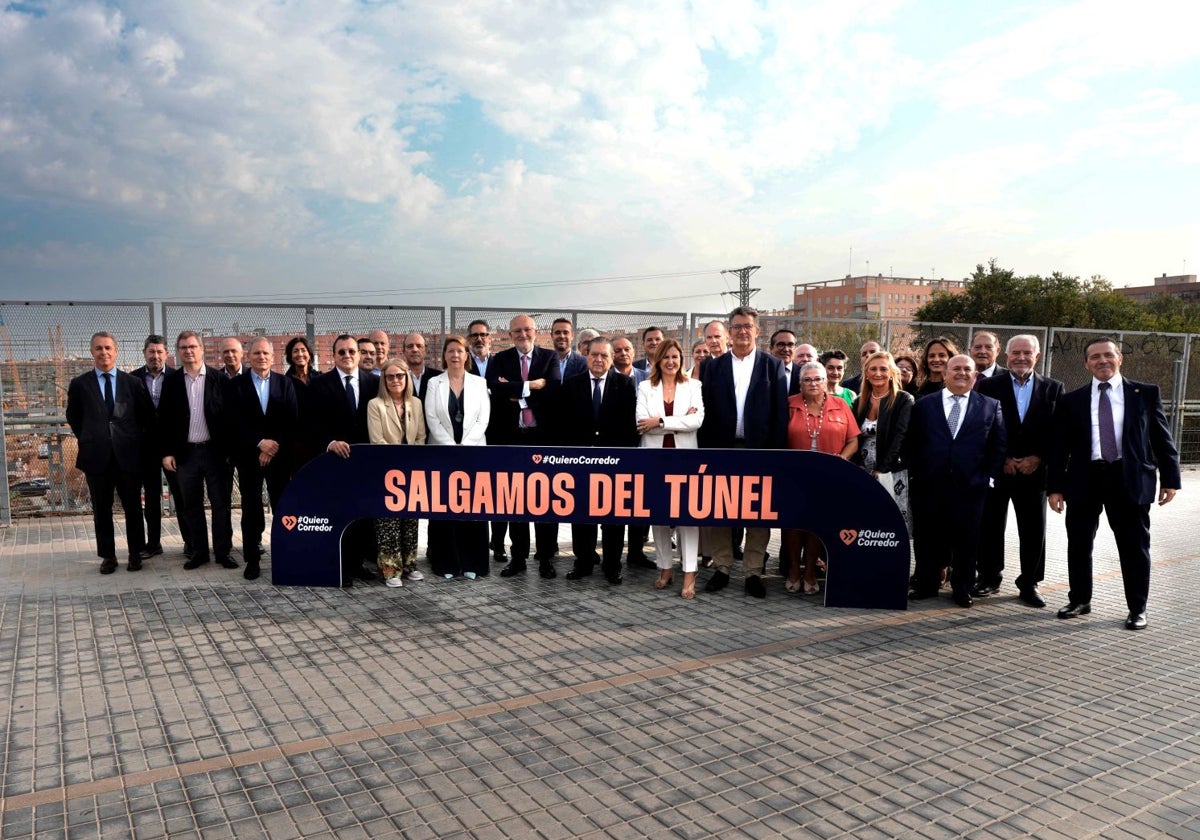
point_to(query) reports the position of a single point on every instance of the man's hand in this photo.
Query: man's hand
(1056, 502)
(339, 448)
(169, 463)
(1166, 494)
(536, 384)
(268, 447)
(1029, 464)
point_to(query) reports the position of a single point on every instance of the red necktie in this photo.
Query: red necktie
(526, 413)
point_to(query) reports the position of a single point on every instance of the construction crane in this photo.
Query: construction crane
(58, 354)
(14, 373)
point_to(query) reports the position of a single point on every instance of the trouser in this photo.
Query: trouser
(101, 487)
(203, 467)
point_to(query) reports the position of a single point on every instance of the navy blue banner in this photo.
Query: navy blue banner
(859, 523)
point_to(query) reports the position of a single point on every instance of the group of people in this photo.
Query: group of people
(954, 438)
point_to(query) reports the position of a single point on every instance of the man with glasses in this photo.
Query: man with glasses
(195, 445)
(522, 381)
(745, 399)
(339, 403)
(783, 347)
(152, 375)
(479, 336)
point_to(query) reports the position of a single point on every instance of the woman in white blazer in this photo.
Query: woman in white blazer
(395, 416)
(457, 410)
(670, 409)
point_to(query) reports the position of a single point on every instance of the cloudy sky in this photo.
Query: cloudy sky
(587, 153)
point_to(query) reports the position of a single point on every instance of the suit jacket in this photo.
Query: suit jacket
(576, 364)
(174, 412)
(1146, 444)
(226, 375)
(140, 375)
(477, 411)
(426, 375)
(854, 383)
(891, 430)
(1034, 434)
(280, 422)
(505, 424)
(765, 412)
(938, 462)
(684, 426)
(642, 364)
(617, 424)
(102, 440)
(331, 416)
(383, 425)
(794, 379)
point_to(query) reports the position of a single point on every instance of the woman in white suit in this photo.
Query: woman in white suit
(457, 410)
(670, 409)
(396, 416)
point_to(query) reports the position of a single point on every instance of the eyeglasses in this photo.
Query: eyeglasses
(396, 377)
(348, 351)
(741, 327)
(480, 335)
(188, 347)
(785, 344)
(813, 380)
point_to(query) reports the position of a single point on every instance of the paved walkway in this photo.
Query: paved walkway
(194, 704)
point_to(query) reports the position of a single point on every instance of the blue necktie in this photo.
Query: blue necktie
(350, 393)
(1108, 429)
(596, 397)
(108, 395)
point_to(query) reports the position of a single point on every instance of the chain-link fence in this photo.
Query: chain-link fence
(46, 344)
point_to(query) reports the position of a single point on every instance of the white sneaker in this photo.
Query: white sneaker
(394, 581)
(415, 574)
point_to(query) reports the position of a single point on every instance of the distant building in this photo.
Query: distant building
(875, 297)
(1182, 286)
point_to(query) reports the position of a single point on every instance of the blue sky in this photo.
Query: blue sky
(275, 151)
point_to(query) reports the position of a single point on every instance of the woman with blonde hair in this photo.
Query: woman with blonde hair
(395, 416)
(670, 409)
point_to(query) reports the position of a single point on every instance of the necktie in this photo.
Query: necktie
(1108, 430)
(526, 413)
(955, 414)
(596, 398)
(111, 404)
(350, 392)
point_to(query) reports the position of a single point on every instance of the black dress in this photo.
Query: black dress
(457, 547)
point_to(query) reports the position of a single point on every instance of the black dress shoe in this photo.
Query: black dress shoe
(1136, 621)
(578, 573)
(196, 562)
(717, 582)
(636, 561)
(982, 590)
(755, 588)
(150, 551)
(513, 568)
(135, 563)
(1032, 597)
(252, 571)
(227, 563)
(921, 594)
(1072, 609)
(964, 600)
(546, 570)
(614, 578)
(108, 565)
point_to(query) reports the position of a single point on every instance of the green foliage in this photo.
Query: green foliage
(995, 295)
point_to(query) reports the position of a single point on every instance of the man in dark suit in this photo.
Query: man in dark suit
(111, 416)
(651, 338)
(598, 408)
(956, 447)
(570, 362)
(419, 372)
(1111, 437)
(985, 348)
(339, 407)
(745, 405)
(264, 409)
(195, 443)
(783, 347)
(152, 375)
(1027, 401)
(522, 381)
